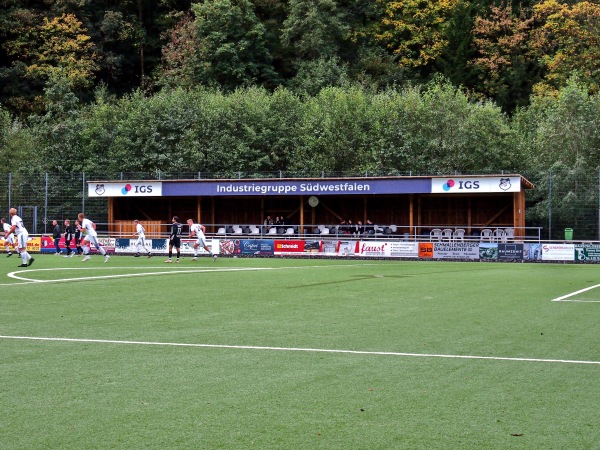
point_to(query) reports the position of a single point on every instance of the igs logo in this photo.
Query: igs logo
(461, 185)
(136, 189)
(448, 185)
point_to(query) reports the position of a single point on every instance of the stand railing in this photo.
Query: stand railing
(429, 233)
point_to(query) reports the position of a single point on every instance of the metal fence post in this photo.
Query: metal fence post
(46, 205)
(550, 204)
(83, 192)
(9, 190)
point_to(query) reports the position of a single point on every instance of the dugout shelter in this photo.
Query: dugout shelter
(414, 205)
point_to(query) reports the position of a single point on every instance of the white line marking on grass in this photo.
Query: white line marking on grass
(565, 297)
(295, 349)
(17, 275)
(26, 280)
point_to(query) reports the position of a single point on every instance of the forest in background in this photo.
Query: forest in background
(503, 50)
(306, 87)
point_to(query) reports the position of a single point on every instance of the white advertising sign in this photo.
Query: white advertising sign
(468, 185)
(456, 250)
(558, 252)
(404, 249)
(131, 189)
(372, 248)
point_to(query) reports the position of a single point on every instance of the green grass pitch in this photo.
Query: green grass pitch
(273, 353)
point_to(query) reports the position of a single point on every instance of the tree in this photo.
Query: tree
(314, 28)
(333, 132)
(316, 74)
(414, 30)
(181, 55)
(453, 62)
(504, 60)
(119, 41)
(438, 129)
(563, 127)
(58, 46)
(567, 40)
(18, 147)
(227, 49)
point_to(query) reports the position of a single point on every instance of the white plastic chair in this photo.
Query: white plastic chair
(324, 230)
(254, 229)
(436, 234)
(486, 235)
(289, 231)
(221, 230)
(237, 229)
(499, 235)
(446, 234)
(394, 228)
(459, 234)
(272, 230)
(509, 233)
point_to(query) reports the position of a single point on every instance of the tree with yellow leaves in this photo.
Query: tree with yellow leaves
(414, 30)
(567, 40)
(57, 46)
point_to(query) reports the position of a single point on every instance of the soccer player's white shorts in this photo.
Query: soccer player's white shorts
(92, 240)
(141, 241)
(201, 242)
(10, 239)
(22, 239)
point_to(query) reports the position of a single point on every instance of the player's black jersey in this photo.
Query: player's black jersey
(176, 230)
(68, 233)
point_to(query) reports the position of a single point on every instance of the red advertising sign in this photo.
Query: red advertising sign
(289, 246)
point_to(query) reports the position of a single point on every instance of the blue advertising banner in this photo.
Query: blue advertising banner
(234, 247)
(297, 187)
(122, 245)
(510, 252)
(159, 244)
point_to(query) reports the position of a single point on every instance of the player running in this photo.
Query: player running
(91, 237)
(198, 230)
(22, 237)
(140, 232)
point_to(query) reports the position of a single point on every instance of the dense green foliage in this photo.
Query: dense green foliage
(427, 129)
(433, 128)
(501, 49)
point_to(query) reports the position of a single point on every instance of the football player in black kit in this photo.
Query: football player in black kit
(175, 239)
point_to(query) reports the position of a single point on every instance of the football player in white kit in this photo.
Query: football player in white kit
(10, 240)
(141, 239)
(91, 237)
(198, 230)
(22, 237)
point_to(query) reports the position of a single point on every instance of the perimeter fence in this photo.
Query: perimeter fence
(561, 200)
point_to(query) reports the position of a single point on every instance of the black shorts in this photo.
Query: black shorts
(175, 242)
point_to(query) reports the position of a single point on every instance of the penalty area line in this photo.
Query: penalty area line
(297, 349)
(25, 280)
(18, 275)
(572, 294)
